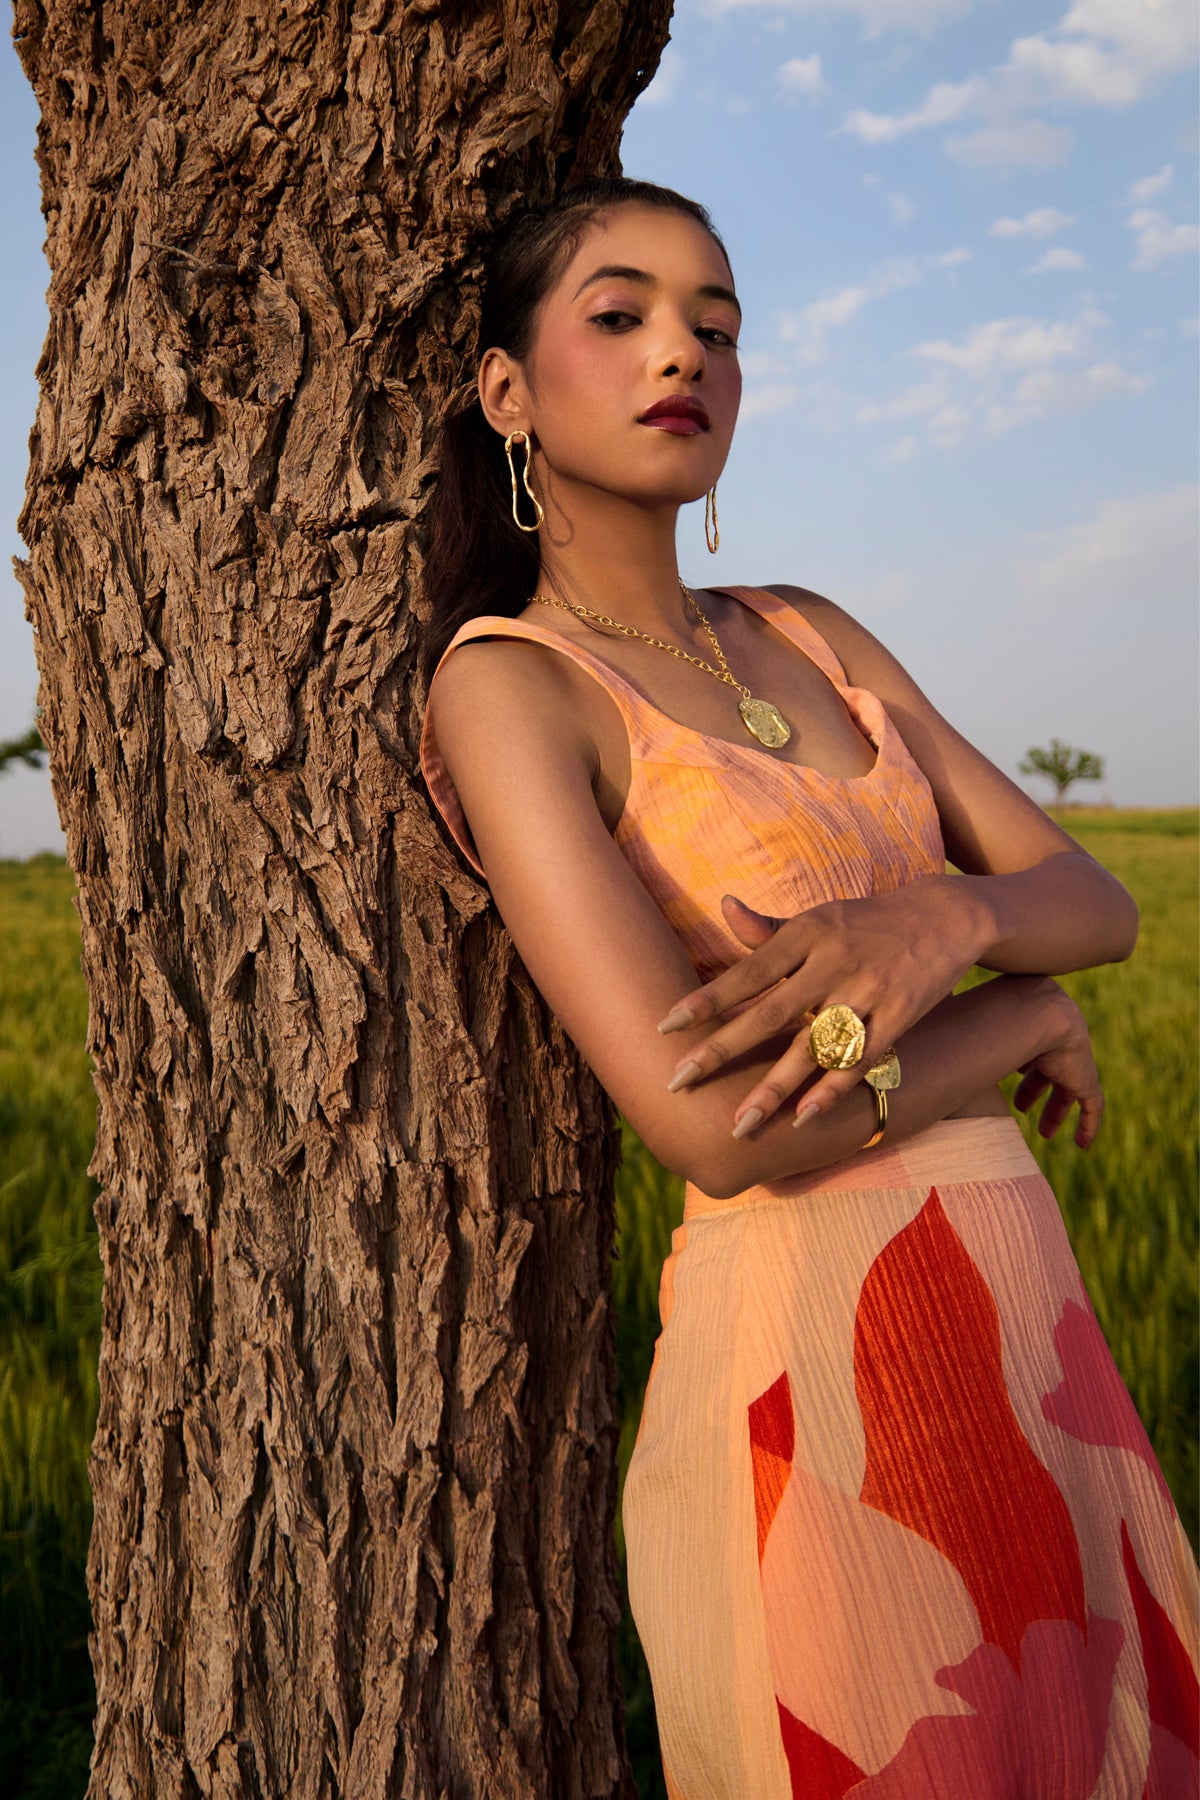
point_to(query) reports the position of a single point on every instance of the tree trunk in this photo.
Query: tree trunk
(354, 1469)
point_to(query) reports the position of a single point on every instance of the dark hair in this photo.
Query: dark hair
(476, 559)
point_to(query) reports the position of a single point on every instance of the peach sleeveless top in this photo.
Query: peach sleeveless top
(705, 818)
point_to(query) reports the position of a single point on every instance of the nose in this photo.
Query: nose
(679, 354)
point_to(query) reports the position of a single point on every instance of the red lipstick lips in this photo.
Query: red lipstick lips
(679, 413)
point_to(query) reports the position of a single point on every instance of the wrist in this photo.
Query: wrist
(1051, 1008)
(975, 901)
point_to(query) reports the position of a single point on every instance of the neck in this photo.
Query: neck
(616, 557)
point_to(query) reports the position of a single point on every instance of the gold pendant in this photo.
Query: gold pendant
(765, 722)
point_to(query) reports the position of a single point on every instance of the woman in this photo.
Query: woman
(893, 1526)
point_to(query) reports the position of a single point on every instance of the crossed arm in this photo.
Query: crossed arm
(1029, 901)
(609, 966)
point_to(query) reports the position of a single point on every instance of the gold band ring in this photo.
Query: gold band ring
(837, 1038)
(883, 1075)
(880, 1118)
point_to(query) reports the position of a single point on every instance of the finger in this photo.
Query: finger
(751, 975)
(825, 1094)
(1054, 1112)
(1031, 1089)
(783, 1011)
(881, 1034)
(781, 1081)
(1091, 1112)
(797, 1064)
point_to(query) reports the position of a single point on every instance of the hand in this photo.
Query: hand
(1068, 1069)
(891, 957)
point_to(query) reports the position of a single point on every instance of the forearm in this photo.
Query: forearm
(964, 1045)
(1064, 913)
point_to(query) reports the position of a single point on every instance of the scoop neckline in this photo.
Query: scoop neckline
(842, 688)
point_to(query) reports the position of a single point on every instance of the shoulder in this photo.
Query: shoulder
(513, 691)
(840, 629)
(868, 663)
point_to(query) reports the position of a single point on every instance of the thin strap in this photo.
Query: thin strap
(794, 625)
(437, 776)
(630, 702)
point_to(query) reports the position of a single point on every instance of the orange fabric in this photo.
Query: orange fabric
(894, 1528)
(702, 815)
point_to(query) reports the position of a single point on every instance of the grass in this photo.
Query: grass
(49, 1334)
(1130, 1208)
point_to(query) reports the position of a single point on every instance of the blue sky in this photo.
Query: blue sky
(964, 234)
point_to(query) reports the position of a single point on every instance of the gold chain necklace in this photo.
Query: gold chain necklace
(762, 720)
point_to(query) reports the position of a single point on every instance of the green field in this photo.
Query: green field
(1130, 1208)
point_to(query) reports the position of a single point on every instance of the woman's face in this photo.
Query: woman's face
(644, 313)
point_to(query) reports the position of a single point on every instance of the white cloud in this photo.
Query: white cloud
(1157, 238)
(1190, 327)
(756, 364)
(945, 102)
(1058, 257)
(666, 80)
(809, 328)
(902, 451)
(1014, 343)
(923, 398)
(875, 16)
(1013, 144)
(1107, 53)
(1135, 550)
(1150, 186)
(1052, 391)
(1043, 223)
(1005, 373)
(951, 259)
(901, 210)
(802, 75)
(772, 397)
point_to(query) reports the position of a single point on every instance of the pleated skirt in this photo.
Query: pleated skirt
(894, 1528)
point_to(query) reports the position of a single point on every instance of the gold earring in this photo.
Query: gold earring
(509, 441)
(712, 538)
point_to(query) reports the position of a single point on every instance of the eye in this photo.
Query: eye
(716, 336)
(612, 319)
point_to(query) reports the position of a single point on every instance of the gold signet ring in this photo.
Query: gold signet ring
(837, 1038)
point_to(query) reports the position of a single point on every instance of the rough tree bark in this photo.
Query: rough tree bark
(354, 1469)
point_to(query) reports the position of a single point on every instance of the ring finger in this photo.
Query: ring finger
(796, 1066)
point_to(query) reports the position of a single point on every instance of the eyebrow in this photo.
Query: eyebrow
(615, 271)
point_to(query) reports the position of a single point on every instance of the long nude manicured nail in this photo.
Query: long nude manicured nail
(689, 1072)
(749, 1119)
(676, 1019)
(805, 1114)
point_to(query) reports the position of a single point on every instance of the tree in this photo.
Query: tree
(1063, 766)
(354, 1470)
(28, 749)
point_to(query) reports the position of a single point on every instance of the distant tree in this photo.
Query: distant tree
(27, 749)
(1063, 766)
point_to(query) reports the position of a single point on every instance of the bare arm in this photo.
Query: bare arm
(965, 1043)
(1029, 898)
(607, 962)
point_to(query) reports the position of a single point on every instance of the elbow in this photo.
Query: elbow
(1130, 925)
(722, 1173)
(1124, 921)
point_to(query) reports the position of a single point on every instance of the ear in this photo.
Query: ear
(502, 393)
